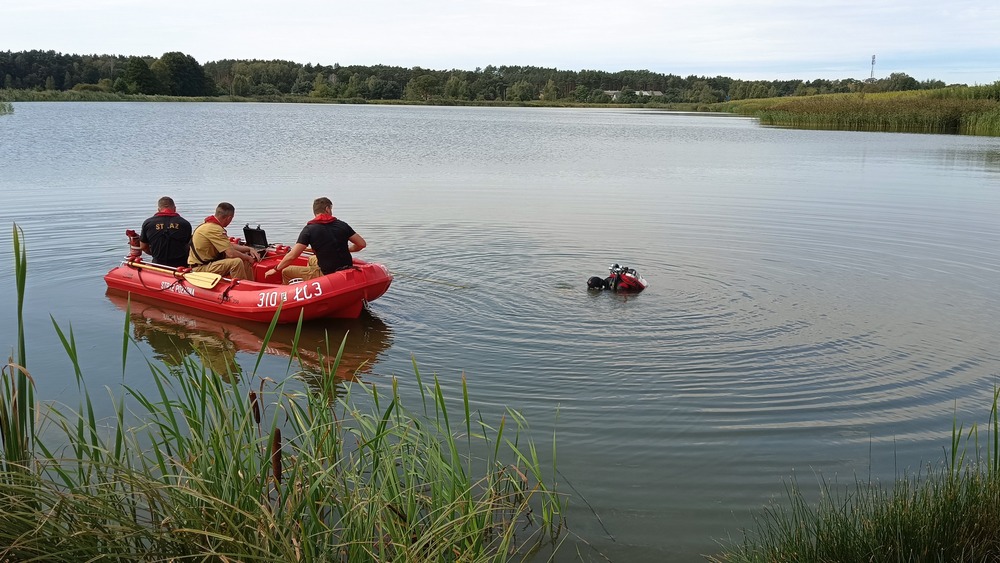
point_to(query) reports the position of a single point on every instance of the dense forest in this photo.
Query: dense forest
(178, 74)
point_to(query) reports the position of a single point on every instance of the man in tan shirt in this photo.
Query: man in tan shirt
(211, 250)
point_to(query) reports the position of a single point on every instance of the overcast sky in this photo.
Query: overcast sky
(957, 41)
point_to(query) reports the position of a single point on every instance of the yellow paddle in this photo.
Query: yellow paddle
(204, 280)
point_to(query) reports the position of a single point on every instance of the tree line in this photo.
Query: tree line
(179, 74)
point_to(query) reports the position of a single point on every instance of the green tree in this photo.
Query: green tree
(90, 74)
(803, 90)
(627, 97)
(302, 84)
(551, 91)
(422, 87)
(703, 93)
(381, 89)
(900, 81)
(356, 87)
(762, 89)
(183, 76)
(265, 89)
(240, 85)
(321, 87)
(521, 91)
(139, 79)
(597, 96)
(457, 88)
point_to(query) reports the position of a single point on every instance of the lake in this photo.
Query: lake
(821, 305)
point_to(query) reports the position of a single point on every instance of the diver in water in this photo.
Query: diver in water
(621, 278)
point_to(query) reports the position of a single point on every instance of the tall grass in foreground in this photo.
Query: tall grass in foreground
(204, 469)
(6, 107)
(17, 400)
(950, 514)
(963, 110)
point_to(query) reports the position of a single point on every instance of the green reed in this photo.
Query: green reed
(6, 107)
(205, 468)
(959, 110)
(17, 401)
(18, 95)
(948, 514)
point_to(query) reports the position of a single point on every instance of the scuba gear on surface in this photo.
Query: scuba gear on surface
(621, 278)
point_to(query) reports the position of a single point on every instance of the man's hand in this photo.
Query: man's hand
(251, 255)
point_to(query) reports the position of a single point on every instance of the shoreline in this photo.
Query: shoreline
(960, 110)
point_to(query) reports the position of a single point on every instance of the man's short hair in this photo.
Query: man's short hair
(320, 204)
(165, 203)
(225, 209)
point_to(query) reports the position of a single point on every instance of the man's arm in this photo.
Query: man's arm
(143, 240)
(356, 243)
(245, 253)
(294, 253)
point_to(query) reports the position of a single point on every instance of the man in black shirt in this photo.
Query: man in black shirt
(332, 242)
(165, 236)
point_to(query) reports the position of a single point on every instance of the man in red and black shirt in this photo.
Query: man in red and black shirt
(165, 236)
(332, 242)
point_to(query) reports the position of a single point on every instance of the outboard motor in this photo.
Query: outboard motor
(620, 278)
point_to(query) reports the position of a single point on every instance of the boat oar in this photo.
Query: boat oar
(204, 280)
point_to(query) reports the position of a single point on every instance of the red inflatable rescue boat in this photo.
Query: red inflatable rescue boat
(341, 294)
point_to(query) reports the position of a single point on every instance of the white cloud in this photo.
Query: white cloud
(955, 41)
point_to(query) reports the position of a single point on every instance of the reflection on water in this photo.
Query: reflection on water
(176, 334)
(985, 158)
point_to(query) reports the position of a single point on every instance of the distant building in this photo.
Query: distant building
(648, 93)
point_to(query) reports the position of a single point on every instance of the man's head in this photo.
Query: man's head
(224, 212)
(165, 204)
(322, 205)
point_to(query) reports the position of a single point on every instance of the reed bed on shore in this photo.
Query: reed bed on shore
(948, 514)
(12, 95)
(17, 95)
(957, 110)
(209, 468)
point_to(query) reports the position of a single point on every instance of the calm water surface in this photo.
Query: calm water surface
(820, 303)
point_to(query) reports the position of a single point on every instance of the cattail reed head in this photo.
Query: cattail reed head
(276, 455)
(255, 406)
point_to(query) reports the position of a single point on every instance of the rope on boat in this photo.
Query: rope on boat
(138, 272)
